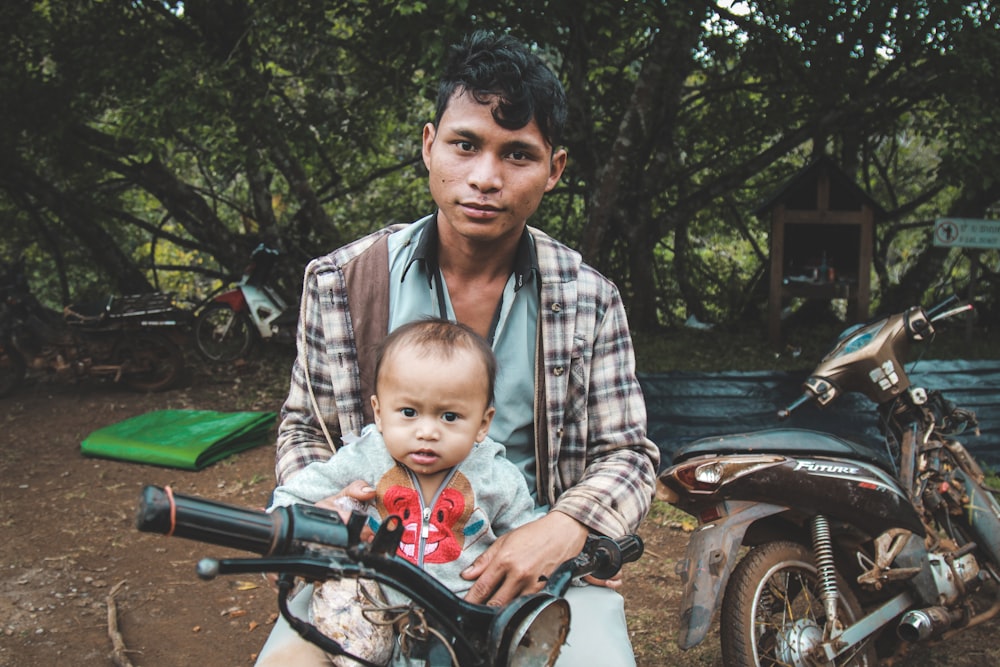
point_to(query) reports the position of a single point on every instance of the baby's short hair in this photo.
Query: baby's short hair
(439, 336)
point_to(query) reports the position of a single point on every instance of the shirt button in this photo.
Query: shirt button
(558, 370)
(556, 307)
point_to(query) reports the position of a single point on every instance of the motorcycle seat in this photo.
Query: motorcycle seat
(785, 441)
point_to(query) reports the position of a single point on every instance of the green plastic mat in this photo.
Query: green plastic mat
(186, 439)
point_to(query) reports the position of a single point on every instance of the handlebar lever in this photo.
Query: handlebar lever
(933, 311)
(952, 312)
(307, 568)
(787, 411)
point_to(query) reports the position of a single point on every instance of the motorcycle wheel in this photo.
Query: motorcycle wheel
(149, 362)
(12, 369)
(223, 335)
(772, 613)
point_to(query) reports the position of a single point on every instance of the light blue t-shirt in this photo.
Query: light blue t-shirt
(417, 290)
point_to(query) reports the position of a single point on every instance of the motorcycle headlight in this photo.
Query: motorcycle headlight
(709, 474)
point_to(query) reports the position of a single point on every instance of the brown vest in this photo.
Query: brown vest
(367, 278)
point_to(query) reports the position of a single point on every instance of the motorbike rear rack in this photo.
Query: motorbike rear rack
(137, 305)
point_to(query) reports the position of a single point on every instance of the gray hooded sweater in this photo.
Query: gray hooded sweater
(480, 499)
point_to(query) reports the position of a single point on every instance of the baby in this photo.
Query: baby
(429, 458)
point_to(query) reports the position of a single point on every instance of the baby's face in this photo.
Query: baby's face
(431, 409)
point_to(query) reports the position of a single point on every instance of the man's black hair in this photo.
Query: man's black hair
(498, 68)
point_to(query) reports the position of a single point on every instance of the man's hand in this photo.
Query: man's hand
(518, 561)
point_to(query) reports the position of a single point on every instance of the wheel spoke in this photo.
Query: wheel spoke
(773, 614)
(222, 334)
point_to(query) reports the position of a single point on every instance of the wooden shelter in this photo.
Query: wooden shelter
(822, 233)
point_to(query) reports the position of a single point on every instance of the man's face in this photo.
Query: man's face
(486, 180)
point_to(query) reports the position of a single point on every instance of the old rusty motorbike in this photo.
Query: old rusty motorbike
(127, 339)
(822, 551)
(237, 317)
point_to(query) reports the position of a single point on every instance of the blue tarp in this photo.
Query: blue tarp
(686, 406)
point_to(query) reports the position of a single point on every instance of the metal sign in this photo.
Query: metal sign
(966, 233)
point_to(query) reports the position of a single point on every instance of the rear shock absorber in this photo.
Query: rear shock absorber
(823, 550)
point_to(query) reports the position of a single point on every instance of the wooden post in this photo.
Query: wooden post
(974, 268)
(774, 304)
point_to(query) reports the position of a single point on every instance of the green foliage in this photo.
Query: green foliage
(742, 348)
(145, 136)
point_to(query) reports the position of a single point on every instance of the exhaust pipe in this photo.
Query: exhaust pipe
(920, 624)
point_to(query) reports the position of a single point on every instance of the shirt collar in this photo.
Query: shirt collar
(426, 252)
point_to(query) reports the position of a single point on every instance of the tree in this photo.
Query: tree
(145, 135)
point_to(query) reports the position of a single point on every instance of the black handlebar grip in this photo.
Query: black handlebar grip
(631, 547)
(162, 511)
(608, 555)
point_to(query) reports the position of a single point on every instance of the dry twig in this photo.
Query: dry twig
(119, 650)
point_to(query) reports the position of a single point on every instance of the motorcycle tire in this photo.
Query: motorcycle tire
(772, 612)
(12, 369)
(223, 335)
(150, 362)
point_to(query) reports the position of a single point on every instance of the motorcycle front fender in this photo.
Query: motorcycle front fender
(711, 555)
(234, 299)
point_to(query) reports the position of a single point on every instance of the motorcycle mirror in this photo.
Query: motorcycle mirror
(530, 631)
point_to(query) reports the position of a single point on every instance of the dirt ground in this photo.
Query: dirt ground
(69, 545)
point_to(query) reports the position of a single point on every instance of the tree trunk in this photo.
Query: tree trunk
(643, 306)
(79, 218)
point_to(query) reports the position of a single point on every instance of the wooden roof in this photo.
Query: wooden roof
(801, 191)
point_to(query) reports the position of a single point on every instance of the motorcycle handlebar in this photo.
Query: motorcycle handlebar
(949, 307)
(957, 310)
(288, 530)
(280, 532)
(942, 306)
(786, 412)
(529, 628)
(602, 557)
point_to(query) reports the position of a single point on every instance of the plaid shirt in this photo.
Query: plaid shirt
(596, 465)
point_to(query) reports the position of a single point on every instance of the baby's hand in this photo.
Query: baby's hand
(343, 505)
(354, 497)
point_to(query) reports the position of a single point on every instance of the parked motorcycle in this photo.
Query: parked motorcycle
(123, 338)
(233, 321)
(315, 544)
(856, 553)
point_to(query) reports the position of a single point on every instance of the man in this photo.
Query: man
(569, 408)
